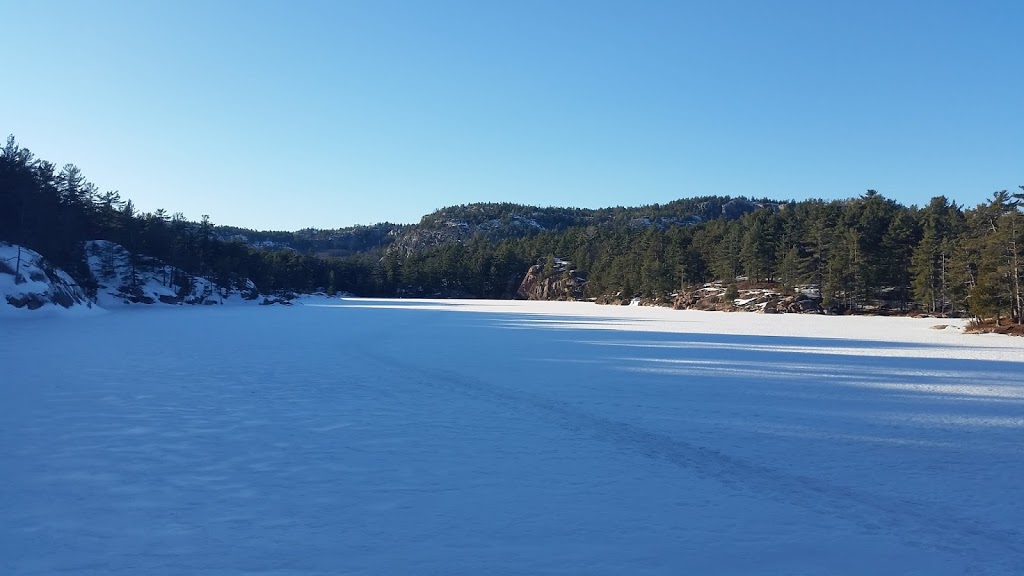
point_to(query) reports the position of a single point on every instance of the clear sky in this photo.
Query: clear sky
(283, 115)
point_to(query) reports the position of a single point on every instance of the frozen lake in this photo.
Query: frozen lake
(466, 437)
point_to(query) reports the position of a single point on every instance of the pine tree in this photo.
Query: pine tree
(897, 244)
(931, 258)
(549, 267)
(17, 185)
(129, 226)
(820, 235)
(791, 269)
(993, 254)
(759, 246)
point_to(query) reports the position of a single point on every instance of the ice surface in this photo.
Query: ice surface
(457, 437)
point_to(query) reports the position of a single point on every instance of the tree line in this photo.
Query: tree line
(867, 253)
(55, 210)
(860, 254)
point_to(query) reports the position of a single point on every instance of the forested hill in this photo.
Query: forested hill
(495, 222)
(325, 243)
(864, 253)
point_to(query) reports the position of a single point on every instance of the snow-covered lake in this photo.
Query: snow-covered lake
(458, 437)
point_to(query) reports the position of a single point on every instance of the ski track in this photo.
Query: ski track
(915, 523)
(421, 439)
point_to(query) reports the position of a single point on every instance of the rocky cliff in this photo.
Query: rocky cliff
(556, 280)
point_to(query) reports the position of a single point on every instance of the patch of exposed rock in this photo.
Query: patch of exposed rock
(713, 297)
(552, 281)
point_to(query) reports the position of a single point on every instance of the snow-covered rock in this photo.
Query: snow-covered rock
(29, 282)
(126, 278)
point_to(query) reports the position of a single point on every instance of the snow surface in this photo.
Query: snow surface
(466, 437)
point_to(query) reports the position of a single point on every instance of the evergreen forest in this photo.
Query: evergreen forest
(865, 253)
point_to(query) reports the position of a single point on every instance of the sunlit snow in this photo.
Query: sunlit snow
(461, 437)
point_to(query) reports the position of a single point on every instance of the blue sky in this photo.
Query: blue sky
(283, 115)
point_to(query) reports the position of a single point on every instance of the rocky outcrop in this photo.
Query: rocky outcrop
(29, 282)
(559, 282)
(125, 278)
(735, 209)
(614, 299)
(799, 304)
(271, 300)
(707, 297)
(767, 301)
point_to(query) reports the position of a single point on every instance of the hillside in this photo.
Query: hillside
(115, 278)
(125, 278)
(864, 254)
(495, 222)
(338, 242)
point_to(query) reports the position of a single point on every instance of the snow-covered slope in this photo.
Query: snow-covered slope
(124, 278)
(508, 438)
(37, 285)
(121, 278)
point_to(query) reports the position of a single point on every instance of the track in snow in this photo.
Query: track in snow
(460, 438)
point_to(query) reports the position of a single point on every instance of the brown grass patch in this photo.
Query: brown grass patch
(989, 326)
